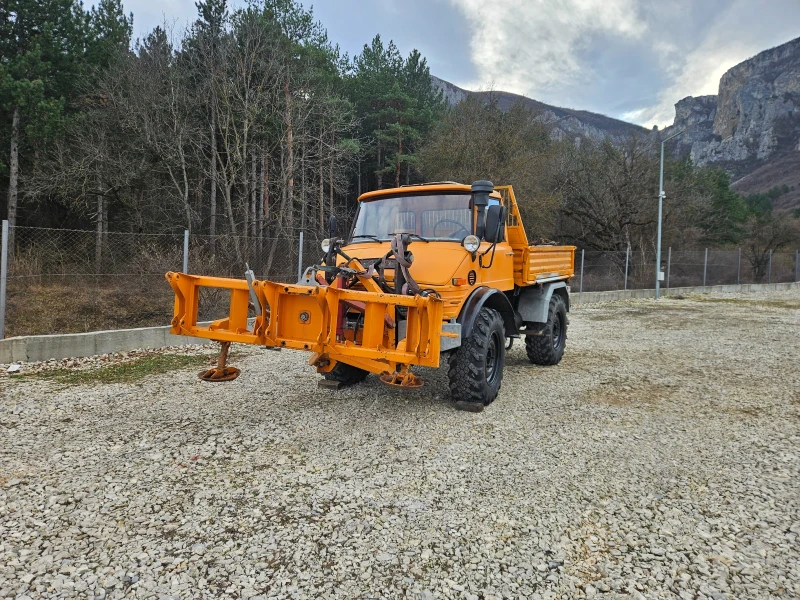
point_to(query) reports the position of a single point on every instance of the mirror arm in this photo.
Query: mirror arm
(493, 247)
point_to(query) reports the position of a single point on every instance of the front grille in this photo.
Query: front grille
(367, 262)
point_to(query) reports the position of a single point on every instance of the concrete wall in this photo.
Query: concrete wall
(591, 297)
(45, 347)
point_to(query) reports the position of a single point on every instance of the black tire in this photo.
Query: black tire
(346, 374)
(548, 348)
(476, 368)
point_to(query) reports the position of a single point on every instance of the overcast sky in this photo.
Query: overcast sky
(630, 59)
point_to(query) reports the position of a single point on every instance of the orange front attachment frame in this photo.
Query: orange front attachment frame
(306, 318)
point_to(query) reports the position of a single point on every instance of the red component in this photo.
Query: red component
(339, 283)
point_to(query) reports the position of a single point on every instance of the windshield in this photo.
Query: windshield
(442, 217)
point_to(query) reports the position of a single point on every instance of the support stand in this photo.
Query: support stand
(221, 372)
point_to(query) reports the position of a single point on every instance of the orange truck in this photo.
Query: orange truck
(432, 273)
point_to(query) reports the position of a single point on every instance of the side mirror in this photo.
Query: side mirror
(479, 201)
(495, 221)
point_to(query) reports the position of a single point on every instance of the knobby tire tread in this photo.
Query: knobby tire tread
(539, 348)
(466, 371)
(346, 374)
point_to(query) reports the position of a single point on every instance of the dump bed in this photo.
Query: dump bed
(533, 263)
(543, 263)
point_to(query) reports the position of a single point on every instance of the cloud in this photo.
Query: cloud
(532, 46)
(698, 74)
(633, 59)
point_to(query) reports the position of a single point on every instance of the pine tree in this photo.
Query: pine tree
(397, 106)
(41, 54)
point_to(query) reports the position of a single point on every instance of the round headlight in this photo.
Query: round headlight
(326, 245)
(471, 243)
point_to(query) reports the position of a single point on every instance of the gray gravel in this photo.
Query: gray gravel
(661, 459)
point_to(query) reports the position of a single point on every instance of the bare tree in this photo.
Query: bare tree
(156, 101)
(765, 233)
(245, 92)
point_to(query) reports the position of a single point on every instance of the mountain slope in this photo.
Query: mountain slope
(571, 122)
(775, 172)
(752, 127)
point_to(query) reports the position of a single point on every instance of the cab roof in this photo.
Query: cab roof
(439, 186)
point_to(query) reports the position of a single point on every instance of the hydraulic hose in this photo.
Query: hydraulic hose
(398, 247)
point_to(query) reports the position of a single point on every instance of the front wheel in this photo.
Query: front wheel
(548, 348)
(346, 374)
(476, 367)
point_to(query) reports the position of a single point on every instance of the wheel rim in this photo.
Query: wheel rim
(493, 358)
(558, 331)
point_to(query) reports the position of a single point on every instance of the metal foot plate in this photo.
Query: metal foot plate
(403, 379)
(217, 374)
(330, 384)
(475, 407)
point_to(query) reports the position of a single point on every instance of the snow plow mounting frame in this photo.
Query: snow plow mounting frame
(304, 317)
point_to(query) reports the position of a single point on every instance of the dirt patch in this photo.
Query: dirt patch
(787, 303)
(630, 393)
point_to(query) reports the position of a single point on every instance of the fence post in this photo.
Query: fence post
(769, 268)
(705, 268)
(300, 258)
(669, 263)
(3, 277)
(739, 269)
(627, 255)
(581, 285)
(185, 250)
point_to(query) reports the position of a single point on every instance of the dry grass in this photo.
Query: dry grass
(125, 372)
(87, 305)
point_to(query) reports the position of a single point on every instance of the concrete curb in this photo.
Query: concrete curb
(592, 297)
(35, 348)
(45, 347)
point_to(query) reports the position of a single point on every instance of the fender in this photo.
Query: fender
(534, 301)
(490, 298)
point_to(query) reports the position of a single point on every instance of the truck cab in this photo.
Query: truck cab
(446, 234)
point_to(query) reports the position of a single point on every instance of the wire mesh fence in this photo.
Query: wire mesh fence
(71, 281)
(636, 269)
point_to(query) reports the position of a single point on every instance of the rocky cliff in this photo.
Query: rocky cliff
(752, 123)
(567, 122)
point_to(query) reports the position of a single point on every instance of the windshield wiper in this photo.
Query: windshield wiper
(366, 235)
(419, 237)
(409, 234)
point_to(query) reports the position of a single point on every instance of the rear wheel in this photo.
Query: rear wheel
(548, 348)
(476, 368)
(346, 374)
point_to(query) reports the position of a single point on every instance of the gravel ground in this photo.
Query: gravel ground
(661, 459)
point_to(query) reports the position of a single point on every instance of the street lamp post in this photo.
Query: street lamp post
(660, 210)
